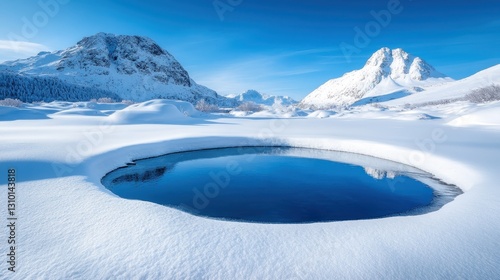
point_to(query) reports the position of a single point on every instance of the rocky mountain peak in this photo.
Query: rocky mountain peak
(397, 64)
(104, 53)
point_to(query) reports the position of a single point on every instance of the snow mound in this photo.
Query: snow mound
(102, 106)
(321, 114)
(80, 112)
(13, 114)
(184, 107)
(415, 115)
(294, 113)
(154, 112)
(483, 117)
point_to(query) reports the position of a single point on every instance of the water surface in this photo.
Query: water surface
(280, 185)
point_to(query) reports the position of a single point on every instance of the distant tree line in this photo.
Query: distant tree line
(47, 89)
(485, 94)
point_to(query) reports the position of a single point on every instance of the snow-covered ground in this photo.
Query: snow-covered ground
(70, 227)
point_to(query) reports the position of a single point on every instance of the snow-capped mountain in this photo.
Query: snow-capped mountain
(132, 67)
(388, 74)
(262, 99)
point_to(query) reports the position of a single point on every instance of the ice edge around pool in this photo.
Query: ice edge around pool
(285, 185)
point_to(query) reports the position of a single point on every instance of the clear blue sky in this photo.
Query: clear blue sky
(273, 46)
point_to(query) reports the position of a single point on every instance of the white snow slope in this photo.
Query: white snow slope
(453, 90)
(70, 227)
(388, 74)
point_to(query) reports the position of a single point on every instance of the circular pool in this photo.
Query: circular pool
(280, 185)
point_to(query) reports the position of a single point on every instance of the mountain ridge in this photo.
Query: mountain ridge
(132, 67)
(262, 99)
(386, 72)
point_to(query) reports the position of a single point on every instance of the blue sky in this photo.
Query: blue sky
(276, 47)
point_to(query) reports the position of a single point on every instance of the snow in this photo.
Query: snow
(128, 67)
(12, 113)
(71, 227)
(386, 71)
(486, 117)
(321, 114)
(455, 89)
(154, 111)
(262, 99)
(81, 112)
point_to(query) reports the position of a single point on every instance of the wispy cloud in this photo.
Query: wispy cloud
(306, 52)
(238, 76)
(10, 50)
(21, 47)
(271, 73)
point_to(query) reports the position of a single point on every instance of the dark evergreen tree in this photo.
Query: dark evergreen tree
(47, 89)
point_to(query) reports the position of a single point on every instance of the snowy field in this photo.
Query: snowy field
(70, 227)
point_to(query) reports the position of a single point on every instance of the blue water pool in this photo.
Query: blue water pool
(280, 185)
